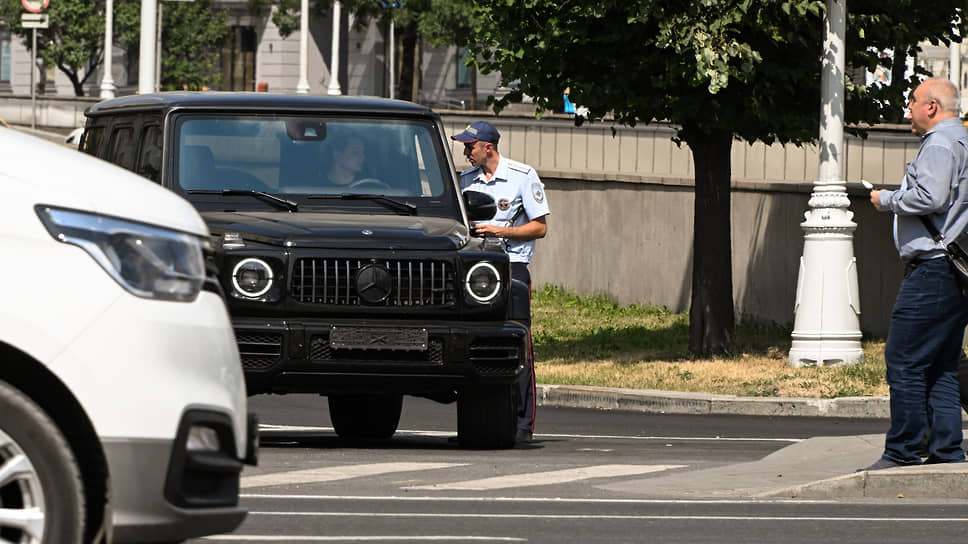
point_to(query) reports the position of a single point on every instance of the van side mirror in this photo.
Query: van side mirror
(480, 206)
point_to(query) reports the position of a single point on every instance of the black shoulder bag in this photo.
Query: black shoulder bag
(955, 251)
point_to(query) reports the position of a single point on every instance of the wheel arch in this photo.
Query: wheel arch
(31, 377)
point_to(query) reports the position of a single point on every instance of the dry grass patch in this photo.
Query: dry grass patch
(593, 341)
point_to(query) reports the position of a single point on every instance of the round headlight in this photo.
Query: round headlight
(483, 282)
(252, 277)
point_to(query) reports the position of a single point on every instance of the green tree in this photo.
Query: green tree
(192, 36)
(73, 41)
(719, 70)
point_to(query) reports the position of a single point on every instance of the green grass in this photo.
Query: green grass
(591, 340)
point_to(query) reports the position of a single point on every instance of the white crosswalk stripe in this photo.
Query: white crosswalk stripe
(342, 472)
(548, 478)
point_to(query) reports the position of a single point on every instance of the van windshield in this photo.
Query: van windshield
(305, 155)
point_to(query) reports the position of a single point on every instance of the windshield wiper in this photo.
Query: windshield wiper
(386, 201)
(262, 195)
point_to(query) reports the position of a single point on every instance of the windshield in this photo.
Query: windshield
(309, 156)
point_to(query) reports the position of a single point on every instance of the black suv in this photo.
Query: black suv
(344, 250)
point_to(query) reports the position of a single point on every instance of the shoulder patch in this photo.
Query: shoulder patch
(520, 167)
(537, 192)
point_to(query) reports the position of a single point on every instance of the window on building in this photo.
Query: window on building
(4, 55)
(463, 71)
(238, 60)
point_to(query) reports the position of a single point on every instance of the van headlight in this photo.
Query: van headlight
(483, 282)
(148, 261)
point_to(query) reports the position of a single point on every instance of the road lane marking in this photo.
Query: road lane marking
(547, 478)
(557, 500)
(379, 538)
(415, 432)
(674, 517)
(341, 472)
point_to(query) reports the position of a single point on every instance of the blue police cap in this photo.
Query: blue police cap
(478, 131)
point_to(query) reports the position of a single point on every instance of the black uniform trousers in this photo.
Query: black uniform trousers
(520, 272)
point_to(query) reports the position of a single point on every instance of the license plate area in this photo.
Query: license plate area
(378, 338)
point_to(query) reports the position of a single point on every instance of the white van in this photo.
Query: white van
(122, 401)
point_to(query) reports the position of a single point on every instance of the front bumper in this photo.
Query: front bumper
(163, 491)
(284, 356)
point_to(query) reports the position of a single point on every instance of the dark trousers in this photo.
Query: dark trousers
(519, 271)
(922, 353)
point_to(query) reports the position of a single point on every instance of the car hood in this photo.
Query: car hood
(42, 172)
(350, 231)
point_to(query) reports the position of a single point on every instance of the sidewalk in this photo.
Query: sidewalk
(815, 468)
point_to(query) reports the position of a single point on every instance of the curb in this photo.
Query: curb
(919, 482)
(675, 402)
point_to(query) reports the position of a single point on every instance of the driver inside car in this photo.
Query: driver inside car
(348, 157)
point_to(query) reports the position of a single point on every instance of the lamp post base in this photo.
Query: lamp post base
(826, 330)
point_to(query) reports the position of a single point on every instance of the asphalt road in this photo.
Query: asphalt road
(589, 477)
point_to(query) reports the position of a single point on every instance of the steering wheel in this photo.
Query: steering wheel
(369, 182)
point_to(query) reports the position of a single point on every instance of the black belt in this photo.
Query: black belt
(915, 262)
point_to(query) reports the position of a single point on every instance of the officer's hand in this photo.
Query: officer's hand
(487, 230)
(875, 200)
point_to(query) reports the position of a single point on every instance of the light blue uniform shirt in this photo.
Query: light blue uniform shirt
(935, 184)
(513, 185)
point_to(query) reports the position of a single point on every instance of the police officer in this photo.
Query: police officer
(522, 210)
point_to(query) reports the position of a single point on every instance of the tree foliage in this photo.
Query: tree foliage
(717, 69)
(73, 41)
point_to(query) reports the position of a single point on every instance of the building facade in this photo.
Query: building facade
(257, 57)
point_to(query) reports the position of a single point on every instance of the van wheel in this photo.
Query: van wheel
(365, 416)
(487, 417)
(40, 483)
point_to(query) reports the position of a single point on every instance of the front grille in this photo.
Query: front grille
(321, 351)
(413, 283)
(495, 356)
(258, 350)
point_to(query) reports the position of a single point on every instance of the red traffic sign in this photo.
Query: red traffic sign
(35, 6)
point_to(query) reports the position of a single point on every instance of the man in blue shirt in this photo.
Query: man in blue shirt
(930, 313)
(522, 209)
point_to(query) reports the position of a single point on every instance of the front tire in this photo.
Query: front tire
(365, 416)
(487, 417)
(39, 476)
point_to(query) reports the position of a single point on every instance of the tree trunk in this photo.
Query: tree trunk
(473, 68)
(711, 318)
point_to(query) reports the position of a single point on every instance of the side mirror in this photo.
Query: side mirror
(480, 206)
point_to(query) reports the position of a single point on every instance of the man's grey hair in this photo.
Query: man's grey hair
(945, 93)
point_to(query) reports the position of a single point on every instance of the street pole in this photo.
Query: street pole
(826, 329)
(954, 62)
(303, 86)
(333, 88)
(393, 55)
(161, 7)
(33, 86)
(146, 57)
(107, 82)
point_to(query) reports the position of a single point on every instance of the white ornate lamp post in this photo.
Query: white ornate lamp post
(146, 57)
(826, 330)
(107, 82)
(334, 88)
